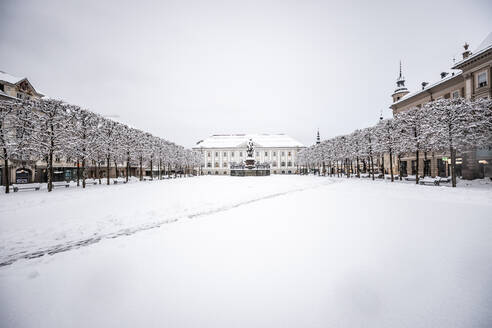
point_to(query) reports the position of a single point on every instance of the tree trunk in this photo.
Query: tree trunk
(78, 173)
(115, 169)
(50, 171)
(108, 167)
(7, 175)
(453, 166)
(357, 168)
(399, 167)
(141, 175)
(6, 161)
(391, 166)
(99, 171)
(160, 174)
(371, 159)
(417, 167)
(83, 173)
(127, 168)
(151, 170)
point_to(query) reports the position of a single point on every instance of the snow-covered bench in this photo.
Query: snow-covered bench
(26, 186)
(365, 175)
(411, 178)
(119, 180)
(429, 181)
(61, 184)
(444, 179)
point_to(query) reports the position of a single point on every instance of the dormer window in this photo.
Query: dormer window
(482, 79)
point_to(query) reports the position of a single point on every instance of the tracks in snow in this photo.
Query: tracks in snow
(130, 231)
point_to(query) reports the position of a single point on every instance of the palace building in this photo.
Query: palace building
(219, 151)
(468, 78)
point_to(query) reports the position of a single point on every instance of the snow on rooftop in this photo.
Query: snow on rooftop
(428, 87)
(236, 140)
(485, 45)
(487, 42)
(9, 78)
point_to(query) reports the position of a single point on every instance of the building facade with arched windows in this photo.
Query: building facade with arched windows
(219, 151)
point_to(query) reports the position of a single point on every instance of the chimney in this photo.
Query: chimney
(444, 74)
(467, 52)
(424, 84)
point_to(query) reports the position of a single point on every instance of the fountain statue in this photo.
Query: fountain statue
(250, 167)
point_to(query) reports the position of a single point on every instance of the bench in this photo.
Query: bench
(60, 184)
(26, 186)
(119, 180)
(411, 178)
(429, 181)
(444, 180)
(365, 175)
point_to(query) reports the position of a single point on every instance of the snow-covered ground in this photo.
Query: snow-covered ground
(279, 251)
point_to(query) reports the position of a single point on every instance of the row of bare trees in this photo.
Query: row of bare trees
(446, 125)
(42, 130)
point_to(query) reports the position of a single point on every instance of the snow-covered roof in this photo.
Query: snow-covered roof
(237, 140)
(10, 78)
(5, 77)
(485, 46)
(428, 87)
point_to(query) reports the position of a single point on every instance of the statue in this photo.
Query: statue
(250, 148)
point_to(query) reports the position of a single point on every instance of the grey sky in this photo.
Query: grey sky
(184, 70)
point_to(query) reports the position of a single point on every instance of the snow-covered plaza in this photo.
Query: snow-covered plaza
(277, 251)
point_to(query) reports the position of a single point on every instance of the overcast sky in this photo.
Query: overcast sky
(184, 70)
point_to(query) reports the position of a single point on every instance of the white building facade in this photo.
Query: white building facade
(221, 150)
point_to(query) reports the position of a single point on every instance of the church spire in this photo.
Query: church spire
(318, 139)
(400, 90)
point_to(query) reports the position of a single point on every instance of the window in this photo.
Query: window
(257, 153)
(274, 153)
(456, 94)
(282, 163)
(274, 164)
(225, 164)
(208, 154)
(232, 154)
(266, 153)
(482, 79)
(216, 164)
(19, 95)
(1, 87)
(289, 154)
(283, 154)
(216, 154)
(240, 154)
(225, 154)
(289, 163)
(209, 164)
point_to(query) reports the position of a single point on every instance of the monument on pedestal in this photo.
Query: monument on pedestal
(250, 167)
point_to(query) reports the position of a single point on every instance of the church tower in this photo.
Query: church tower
(318, 139)
(400, 90)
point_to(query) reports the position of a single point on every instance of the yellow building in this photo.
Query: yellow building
(468, 78)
